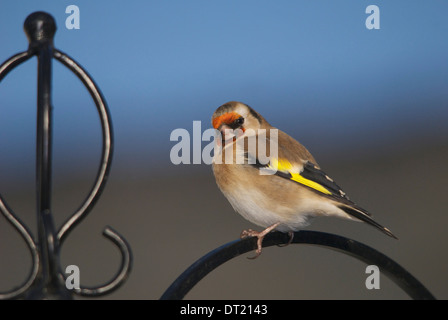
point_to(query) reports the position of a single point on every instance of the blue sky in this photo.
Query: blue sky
(311, 68)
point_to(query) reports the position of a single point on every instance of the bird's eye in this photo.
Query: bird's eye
(239, 121)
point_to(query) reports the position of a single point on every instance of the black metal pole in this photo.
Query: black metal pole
(40, 28)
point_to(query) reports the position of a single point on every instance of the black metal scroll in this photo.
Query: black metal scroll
(46, 280)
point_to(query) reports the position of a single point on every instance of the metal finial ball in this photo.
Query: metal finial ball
(39, 26)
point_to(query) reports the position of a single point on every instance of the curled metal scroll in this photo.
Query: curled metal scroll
(28, 238)
(198, 270)
(46, 279)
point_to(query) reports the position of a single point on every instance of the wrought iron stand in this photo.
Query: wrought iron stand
(46, 280)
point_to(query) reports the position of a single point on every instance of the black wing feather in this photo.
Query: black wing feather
(313, 173)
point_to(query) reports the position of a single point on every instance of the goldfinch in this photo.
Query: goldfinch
(276, 192)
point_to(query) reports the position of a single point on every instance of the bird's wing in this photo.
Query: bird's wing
(293, 161)
(309, 176)
(316, 180)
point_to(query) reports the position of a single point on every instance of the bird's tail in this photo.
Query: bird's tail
(362, 215)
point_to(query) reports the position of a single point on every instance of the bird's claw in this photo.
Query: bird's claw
(260, 236)
(291, 237)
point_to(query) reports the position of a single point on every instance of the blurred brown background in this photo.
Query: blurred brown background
(173, 217)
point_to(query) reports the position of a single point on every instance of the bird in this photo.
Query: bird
(271, 179)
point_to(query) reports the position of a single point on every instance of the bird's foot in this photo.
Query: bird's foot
(260, 236)
(291, 237)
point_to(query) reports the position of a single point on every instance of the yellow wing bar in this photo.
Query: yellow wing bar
(309, 183)
(285, 166)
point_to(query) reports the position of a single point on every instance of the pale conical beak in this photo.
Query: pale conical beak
(224, 135)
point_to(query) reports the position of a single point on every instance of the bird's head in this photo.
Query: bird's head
(233, 119)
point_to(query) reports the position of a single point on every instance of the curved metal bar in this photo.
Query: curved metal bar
(27, 236)
(13, 62)
(5, 68)
(198, 270)
(123, 272)
(99, 184)
(106, 157)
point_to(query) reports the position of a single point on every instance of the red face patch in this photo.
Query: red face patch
(226, 118)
